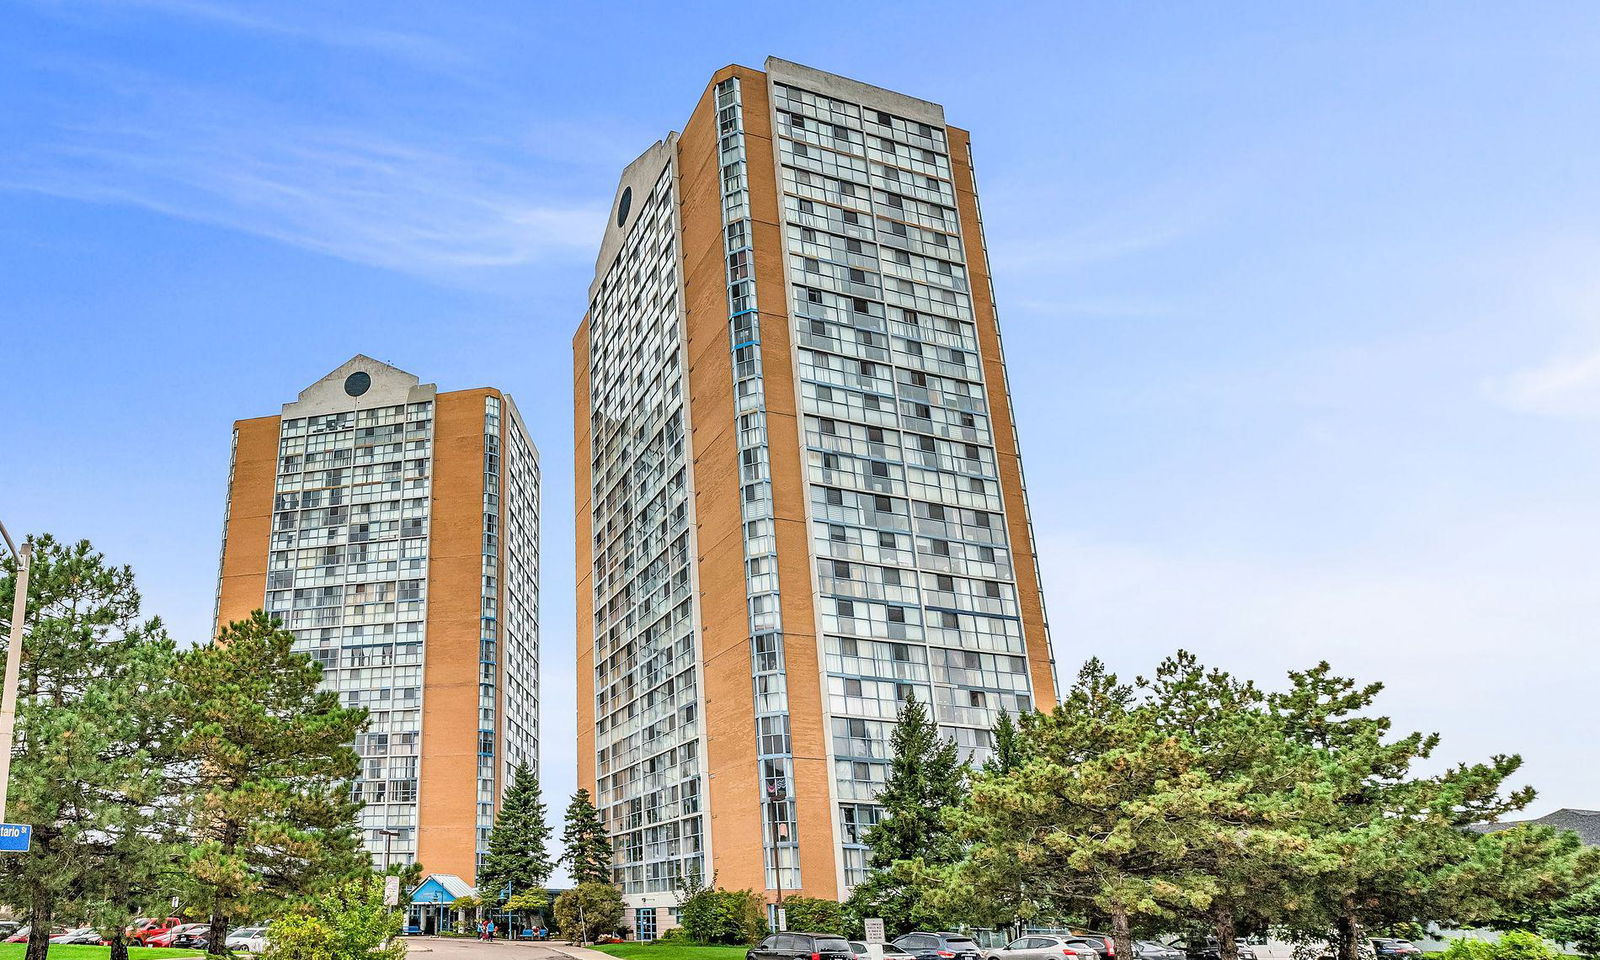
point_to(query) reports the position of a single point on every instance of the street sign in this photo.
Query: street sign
(15, 837)
(874, 927)
(391, 891)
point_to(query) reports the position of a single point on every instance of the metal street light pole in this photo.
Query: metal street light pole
(388, 841)
(8, 701)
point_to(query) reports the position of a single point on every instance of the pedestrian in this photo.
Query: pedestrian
(491, 931)
(483, 929)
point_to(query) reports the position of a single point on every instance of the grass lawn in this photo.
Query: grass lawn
(662, 951)
(14, 951)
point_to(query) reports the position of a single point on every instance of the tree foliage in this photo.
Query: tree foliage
(715, 916)
(1575, 920)
(589, 910)
(90, 764)
(346, 921)
(814, 915)
(912, 840)
(586, 848)
(1103, 818)
(517, 860)
(270, 759)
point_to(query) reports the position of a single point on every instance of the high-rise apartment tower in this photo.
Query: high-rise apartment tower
(799, 497)
(395, 530)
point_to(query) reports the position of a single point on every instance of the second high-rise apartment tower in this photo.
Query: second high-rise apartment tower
(799, 496)
(394, 529)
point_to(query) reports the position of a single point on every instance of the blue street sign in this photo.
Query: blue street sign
(15, 837)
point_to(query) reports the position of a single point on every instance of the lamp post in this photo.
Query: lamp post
(8, 700)
(388, 840)
(777, 793)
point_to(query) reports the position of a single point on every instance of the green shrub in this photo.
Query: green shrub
(675, 935)
(814, 915)
(1516, 945)
(1521, 945)
(349, 922)
(724, 916)
(1465, 948)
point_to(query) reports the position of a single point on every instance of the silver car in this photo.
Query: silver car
(1045, 946)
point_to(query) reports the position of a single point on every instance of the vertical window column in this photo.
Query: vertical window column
(775, 753)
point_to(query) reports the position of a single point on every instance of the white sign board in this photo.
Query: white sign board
(391, 891)
(874, 927)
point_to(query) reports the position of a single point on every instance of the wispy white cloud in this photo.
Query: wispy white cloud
(1566, 386)
(322, 26)
(414, 205)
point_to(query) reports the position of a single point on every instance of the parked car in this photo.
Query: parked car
(146, 927)
(889, 950)
(939, 946)
(79, 935)
(169, 937)
(1388, 948)
(1207, 949)
(1103, 944)
(1044, 946)
(248, 939)
(1151, 950)
(794, 946)
(192, 939)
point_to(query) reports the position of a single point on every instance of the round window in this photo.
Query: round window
(623, 205)
(357, 383)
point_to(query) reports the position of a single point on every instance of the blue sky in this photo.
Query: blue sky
(1302, 302)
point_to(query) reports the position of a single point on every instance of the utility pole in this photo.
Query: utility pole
(8, 701)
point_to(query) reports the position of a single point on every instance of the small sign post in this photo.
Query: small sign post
(15, 837)
(391, 891)
(874, 927)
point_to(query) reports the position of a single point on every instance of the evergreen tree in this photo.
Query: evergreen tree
(912, 839)
(1575, 920)
(94, 728)
(270, 760)
(517, 861)
(1253, 846)
(1389, 847)
(1007, 753)
(587, 848)
(1100, 821)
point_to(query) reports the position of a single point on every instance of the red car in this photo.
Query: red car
(146, 927)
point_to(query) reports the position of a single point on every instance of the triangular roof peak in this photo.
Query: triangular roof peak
(359, 383)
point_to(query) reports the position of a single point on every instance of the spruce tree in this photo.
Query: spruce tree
(911, 840)
(270, 759)
(517, 861)
(1007, 753)
(93, 733)
(586, 846)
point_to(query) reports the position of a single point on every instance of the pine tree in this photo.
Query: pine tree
(1389, 846)
(586, 847)
(94, 727)
(911, 840)
(270, 759)
(1100, 821)
(517, 861)
(1252, 845)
